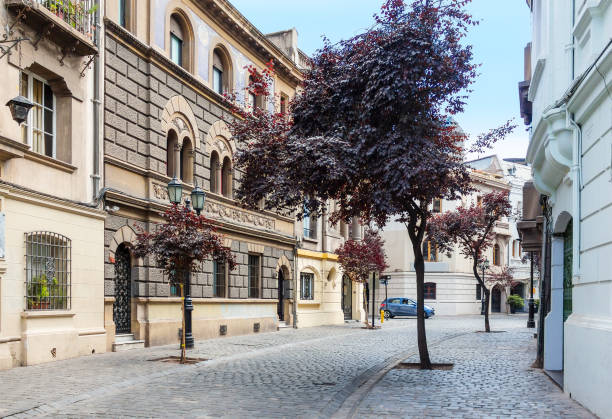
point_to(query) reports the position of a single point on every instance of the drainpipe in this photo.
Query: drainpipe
(295, 284)
(576, 192)
(96, 105)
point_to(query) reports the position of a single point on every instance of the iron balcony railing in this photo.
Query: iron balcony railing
(79, 14)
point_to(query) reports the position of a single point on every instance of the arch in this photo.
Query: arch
(284, 265)
(219, 138)
(563, 220)
(223, 51)
(332, 274)
(496, 299)
(178, 115)
(126, 236)
(175, 9)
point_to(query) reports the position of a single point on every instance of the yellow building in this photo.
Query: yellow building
(51, 233)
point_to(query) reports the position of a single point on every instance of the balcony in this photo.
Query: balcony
(502, 229)
(69, 24)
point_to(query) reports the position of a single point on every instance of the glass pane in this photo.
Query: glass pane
(122, 13)
(49, 145)
(176, 47)
(217, 80)
(37, 120)
(48, 121)
(37, 92)
(48, 97)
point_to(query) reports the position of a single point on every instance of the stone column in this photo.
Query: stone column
(356, 229)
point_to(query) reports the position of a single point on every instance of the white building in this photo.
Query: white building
(569, 86)
(450, 286)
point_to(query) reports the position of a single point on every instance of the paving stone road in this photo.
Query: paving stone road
(341, 371)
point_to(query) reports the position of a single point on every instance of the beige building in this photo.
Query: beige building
(326, 296)
(51, 233)
(450, 286)
(167, 68)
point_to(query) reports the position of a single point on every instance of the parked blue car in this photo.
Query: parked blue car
(403, 307)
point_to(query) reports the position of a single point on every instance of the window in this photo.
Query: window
(437, 206)
(478, 292)
(48, 266)
(496, 255)
(219, 279)
(171, 150)
(479, 201)
(309, 224)
(214, 172)
(186, 161)
(254, 275)
(226, 178)
(122, 13)
(514, 248)
(176, 41)
(39, 129)
(220, 70)
(430, 290)
(306, 286)
(254, 101)
(430, 251)
(283, 104)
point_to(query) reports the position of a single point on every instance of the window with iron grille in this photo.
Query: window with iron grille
(254, 275)
(219, 275)
(306, 286)
(48, 266)
(430, 291)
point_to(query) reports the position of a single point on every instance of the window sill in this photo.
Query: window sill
(40, 314)
(50, 161)
(310, 240)
(309, 302)
(11, 149)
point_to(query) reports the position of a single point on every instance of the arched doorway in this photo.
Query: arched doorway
(123, 291)
(347, 297)
(568, 246)
(280, 310)
(496, 300)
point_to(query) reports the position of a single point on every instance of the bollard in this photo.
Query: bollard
(382, 316)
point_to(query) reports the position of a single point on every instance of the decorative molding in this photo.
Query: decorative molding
(255, 248)
(535, 80)
(226, 212)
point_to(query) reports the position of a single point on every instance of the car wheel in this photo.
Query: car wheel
(388, 314)
(427, 316)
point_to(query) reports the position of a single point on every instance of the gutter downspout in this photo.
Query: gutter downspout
(96, 106)
(576, 193)
(295, 284)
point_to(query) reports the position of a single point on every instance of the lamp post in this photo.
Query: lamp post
(373, 297)
(484, 265)
(384, 280)
(531, 321)
(198, 196)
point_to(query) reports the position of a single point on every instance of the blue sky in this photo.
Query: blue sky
(498, 45)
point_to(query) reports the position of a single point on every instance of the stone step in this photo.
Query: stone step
(282, 325)
(127, 345)
(124, 337)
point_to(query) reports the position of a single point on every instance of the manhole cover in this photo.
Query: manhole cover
(177, 360)
(417, 366)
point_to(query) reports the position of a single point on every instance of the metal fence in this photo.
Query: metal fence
(48, 267)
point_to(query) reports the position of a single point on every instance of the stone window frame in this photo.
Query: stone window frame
(225, 275)
(189, 50)
(128, 13)
(257, 268)
(309, 279)
(180, 157)
(252, 101)
(225, 58)
(27, 127)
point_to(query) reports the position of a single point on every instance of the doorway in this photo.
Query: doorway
(568, 249)
(496, 300)
(280, 310)
(347, 297)
(123, 291)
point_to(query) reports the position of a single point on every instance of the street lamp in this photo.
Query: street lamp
(19, 107)
(198, 196)
(484, 265)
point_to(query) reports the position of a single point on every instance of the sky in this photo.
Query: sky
(498, 43)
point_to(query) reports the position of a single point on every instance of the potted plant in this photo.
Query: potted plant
(39, 291)
(515, 301)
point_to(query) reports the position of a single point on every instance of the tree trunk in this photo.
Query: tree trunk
(487, 296)
(419, 268)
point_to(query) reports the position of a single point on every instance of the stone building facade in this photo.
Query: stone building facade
(51, 230)
(166, 70)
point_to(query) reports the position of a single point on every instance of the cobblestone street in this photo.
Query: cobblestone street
(342, 371)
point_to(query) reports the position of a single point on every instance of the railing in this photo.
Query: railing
(77, 13)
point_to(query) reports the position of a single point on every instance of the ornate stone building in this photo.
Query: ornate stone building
(167, 68)
(51, 232)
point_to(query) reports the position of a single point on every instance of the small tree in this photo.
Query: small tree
(180, 245)
(360, 258)
(503, 278)
(471, 229)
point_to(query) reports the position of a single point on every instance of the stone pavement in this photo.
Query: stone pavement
(316, 372)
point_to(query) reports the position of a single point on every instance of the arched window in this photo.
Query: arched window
(226, 178)
(254, 101)
(430, 290)
(430, 251)
(171, 150)
(496, 255)
(221, 71)
(180, 41)
(214, 172)
(186, 159)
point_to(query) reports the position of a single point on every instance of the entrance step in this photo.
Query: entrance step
(282, 325)
(126, 342)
